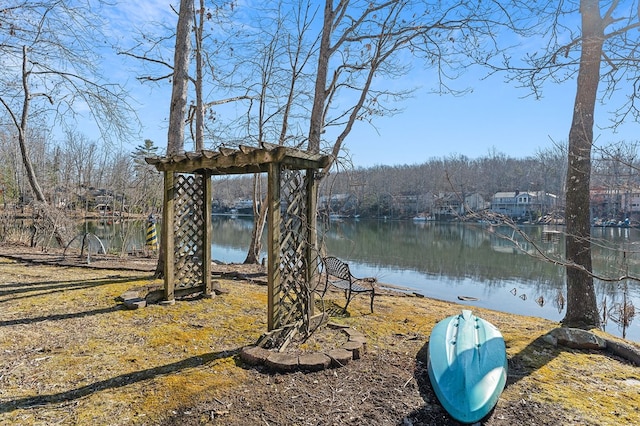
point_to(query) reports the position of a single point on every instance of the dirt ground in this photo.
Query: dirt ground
(102, 364)
(384, 388)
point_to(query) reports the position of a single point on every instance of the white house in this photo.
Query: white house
(523, 204)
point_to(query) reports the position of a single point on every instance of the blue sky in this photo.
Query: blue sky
(494, 116)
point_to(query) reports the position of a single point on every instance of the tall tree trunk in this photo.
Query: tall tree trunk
(320, 95)
(199, 139)
(582, 308)
(22, 132)
(56, 221)
(182, 53)
(178, 108)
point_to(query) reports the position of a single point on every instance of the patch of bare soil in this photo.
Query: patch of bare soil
(58, 257)
(143, 263)
(383, 388)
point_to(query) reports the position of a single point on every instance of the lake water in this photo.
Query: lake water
(501, 268)
(446, 260)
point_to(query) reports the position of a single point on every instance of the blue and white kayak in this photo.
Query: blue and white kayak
(467, 365)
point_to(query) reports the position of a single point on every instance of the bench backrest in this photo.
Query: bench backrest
(337, 268)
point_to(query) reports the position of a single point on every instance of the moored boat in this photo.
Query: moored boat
(467, 365)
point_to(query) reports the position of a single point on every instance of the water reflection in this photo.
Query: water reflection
(501, 268)
(116, 237)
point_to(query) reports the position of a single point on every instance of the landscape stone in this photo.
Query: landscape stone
(134, 303)
(336, 325)
(352, 332)
(356, 348)
(358, 338)
(128, 295)
(629, 352)
(254, 355)
(340, 357)
(314, 361)
(282, 361)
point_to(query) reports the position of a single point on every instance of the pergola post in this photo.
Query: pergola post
(273, 236)
(311, 249)
(206, 232)
(167, 235)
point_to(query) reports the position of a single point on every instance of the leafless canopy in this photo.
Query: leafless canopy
(51, 55)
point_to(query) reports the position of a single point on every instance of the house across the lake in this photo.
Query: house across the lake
(451, 205)
(526, 205)
(615, 203)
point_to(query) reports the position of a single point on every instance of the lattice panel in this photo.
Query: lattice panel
(189, 231)
(294, 292)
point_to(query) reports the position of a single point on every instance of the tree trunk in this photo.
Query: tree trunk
(317, 111)
(582, 308)
(22, 132)
(199, 140)
(256, 236)
(57, 224)
(178, 108)
(177, 113)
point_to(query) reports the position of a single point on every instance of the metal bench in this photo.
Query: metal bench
(338, 275)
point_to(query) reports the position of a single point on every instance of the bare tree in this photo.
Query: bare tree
(365, 43)
(552, 168)
(147, 181)
(582, 308)
(9, 170)
(82, 155)
(179, 93)
(178, 71)
(50, 70)
(206, 83)
(281, 64)
(180, 86)
(362, 44)
(601, 49)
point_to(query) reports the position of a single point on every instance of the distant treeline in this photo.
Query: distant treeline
(401, 190)
(73, 171)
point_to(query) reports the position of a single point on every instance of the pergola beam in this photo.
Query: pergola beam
(241, 161)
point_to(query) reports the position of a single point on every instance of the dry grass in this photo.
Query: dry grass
(72, 355)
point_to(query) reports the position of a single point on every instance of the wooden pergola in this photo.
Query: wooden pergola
(292, 237)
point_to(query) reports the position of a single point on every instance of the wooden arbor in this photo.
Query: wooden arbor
(292, 194)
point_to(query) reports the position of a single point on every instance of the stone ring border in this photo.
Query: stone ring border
(284, 362)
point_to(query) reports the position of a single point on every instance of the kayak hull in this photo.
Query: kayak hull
(467, 365)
